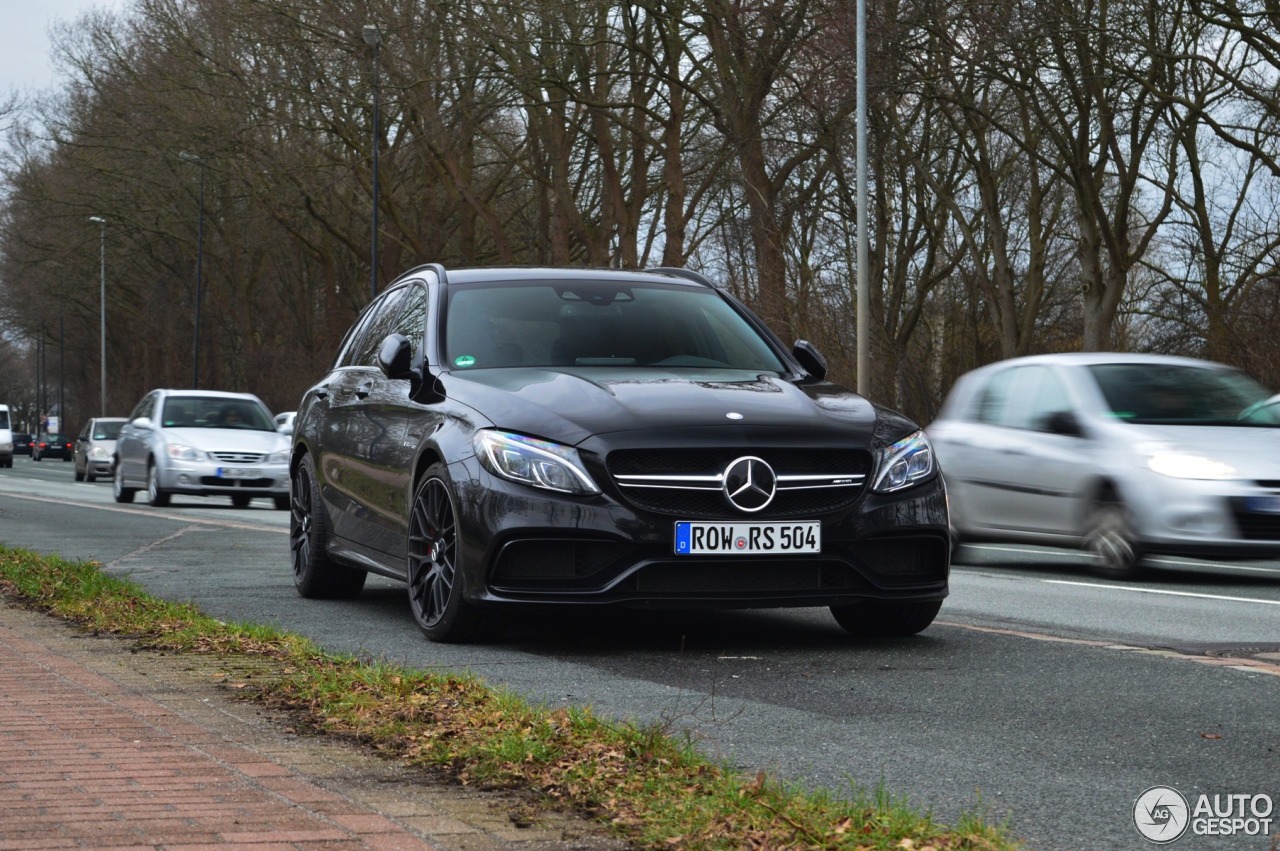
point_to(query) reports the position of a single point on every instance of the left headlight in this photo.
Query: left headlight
(539, 463)
(100, 452)
(904, 463)
(1178, 463)
(281, 457)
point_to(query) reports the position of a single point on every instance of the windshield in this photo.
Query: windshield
(106, 431)
(215, 412)
(1183, 394)
(600, 324)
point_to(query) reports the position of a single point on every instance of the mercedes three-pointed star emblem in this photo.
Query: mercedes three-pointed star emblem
(749, 484)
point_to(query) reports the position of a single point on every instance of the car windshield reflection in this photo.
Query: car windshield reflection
(1180, 395)
(214, 412)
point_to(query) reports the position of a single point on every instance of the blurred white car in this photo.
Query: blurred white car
(1121, 454)
(95, 448)
(205, 443)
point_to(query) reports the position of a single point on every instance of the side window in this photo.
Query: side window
(412, 321)
(378, 322)
(994, 399)
(145, 408)
(84, 432)
(1051, 398)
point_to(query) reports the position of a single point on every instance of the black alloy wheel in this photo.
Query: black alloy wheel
(436, 578)
(315, 574)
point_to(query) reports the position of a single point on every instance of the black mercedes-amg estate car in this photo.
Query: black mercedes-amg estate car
(503, 437)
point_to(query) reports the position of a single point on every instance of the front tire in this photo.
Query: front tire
(118, 489)
(315, 574)
(877, 619)
(79, 475)
(437, 580)
(240, 500)
(1110, 537)
(157, 497)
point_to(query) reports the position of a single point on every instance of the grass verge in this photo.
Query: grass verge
(645, 785)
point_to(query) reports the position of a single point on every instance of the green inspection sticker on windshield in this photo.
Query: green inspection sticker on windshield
(464, 360)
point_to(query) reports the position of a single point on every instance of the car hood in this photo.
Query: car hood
(570, 405)
(228, 439)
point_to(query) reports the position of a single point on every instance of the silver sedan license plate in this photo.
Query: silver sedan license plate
(234, 473)
(702, 538)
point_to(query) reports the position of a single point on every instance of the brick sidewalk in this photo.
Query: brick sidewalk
(103, 748)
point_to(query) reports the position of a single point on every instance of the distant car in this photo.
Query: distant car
(96, 447)
(203, 443)
(1124, 455)
(495, 438)
(6, 438)
(51, 446)
(284, 422)
(23, 442)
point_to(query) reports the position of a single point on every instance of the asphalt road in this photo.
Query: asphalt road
(1042, 696)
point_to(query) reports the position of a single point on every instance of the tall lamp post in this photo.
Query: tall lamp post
(373, 38)
(102, 312)
(195, 354)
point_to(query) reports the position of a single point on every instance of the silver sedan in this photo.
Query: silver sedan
(202, 443)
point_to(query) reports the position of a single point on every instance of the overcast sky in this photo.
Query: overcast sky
(25, 61)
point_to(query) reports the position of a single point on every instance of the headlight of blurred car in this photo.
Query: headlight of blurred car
(904, 463)
(281, 457)
(534, 462)
(179, 452)
(1179, 463)
(100, 452)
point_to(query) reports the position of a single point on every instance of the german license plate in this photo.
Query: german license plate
(234, 473)
(700, 538)
(1263, 504)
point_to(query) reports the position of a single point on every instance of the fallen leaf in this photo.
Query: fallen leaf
(1211, 735)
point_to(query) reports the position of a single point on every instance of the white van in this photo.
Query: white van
(6, 438)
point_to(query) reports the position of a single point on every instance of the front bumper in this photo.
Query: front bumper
(525, 545)
(205, 478)
(1224, 519)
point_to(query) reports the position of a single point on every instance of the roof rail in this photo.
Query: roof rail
(688, 274)
(437, 268)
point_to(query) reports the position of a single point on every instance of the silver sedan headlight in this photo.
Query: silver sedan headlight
(99, 453)
(538, 463)
(181, 452)
(904, 463)
(281, 457)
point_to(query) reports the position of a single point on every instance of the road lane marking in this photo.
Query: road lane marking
(1076, 555)
(1235, 663)
(151, 512)
(1223, 597)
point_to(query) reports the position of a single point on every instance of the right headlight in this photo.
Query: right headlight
(904, 463)
(180, 452)
(538, 463)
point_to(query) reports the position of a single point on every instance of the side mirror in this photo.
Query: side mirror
(810, 358)
(395, 357)
(286, 429)
(1062, 422)
(142, 422)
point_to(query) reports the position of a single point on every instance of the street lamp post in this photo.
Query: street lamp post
(195, 355)
(373, 37)
(102, 311)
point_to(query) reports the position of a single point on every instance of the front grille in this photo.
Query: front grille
(1255, 525)
(238, 457)
(688, 482)
(219, 482)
